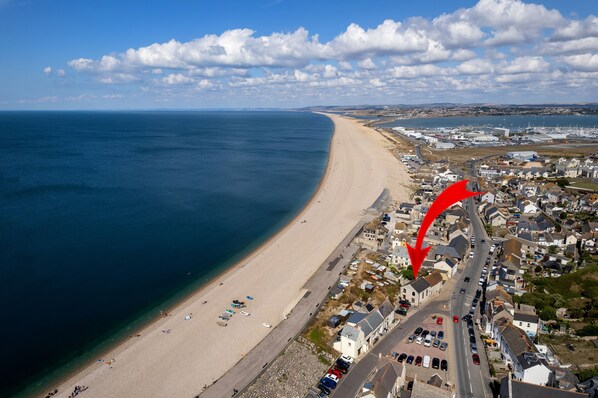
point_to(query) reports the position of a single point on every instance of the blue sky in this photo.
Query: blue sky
(78, 54)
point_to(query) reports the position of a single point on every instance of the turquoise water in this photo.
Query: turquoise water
(106, 215)
(511, 122)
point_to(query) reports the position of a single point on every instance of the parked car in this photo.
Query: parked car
(476, 359)
(324, 389)
(342, 364)
(347, 359)
(426, 361)
(436, 343)
(472, 339)
(410, 359)
(435, 363)
(439, 320)
(443, 346)
(411, 338)
(328, 383)
(433, 333)
(342, 370)
(455, 318)
(335, 372)
(474, 349)
(402, 357)
(401, 311)
(440, 335)
(478, 293)
(418, 361)
(418, 331)
(425, 333)
(419, 340)
(444, 365)
(332, 377)
(467, 279)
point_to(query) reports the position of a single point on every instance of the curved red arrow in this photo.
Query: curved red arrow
(451, 195)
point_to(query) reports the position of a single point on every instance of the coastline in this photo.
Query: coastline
(99, 377)
(139, 326)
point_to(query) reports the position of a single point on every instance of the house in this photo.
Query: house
(488, 197)
(387, 382)
(527, 322)
(400, 257)
(510, 388)
(418, 291)
(512, 253)
(520, 354)
(532, 368)
(527, 207)
(447, 265)
(422, 389)
(362, 331)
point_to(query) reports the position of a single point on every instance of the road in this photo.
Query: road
(472, 380)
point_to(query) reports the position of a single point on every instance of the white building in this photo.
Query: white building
(400, 257)
(446, 265)
(527, 322)
(362, 331)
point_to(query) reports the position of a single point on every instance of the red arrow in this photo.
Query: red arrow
(451, 195)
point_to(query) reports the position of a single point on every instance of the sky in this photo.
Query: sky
(205, 54)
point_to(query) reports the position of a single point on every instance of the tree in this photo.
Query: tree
(408, 273)
(563, 215)
(418, 201)
(548, 313)
(552, 249)
(562, 182)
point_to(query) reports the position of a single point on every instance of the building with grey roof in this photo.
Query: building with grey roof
(362, 331)
(510, 388)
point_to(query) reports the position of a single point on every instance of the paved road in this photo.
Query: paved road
(472, 380)
(317, 287)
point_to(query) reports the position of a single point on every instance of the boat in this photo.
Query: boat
(266, 324)
(220, 323)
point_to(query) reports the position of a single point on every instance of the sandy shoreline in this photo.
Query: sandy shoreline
(197, 352)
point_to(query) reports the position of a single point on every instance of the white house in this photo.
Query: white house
(532, 368)
(400, 257)
(528, 207)
(488, 197)
(446, 265)
(363, 330)
(527, 322)
(421, 289)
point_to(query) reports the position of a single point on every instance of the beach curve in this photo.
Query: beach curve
(177, 357)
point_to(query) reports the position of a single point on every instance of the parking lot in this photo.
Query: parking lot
(416, 350)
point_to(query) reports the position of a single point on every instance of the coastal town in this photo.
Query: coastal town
(503, 304)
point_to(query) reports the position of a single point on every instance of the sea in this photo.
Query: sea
(108, 217)
(513, 122)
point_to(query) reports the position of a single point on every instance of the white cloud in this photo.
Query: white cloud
(458, 51)
(367, 64)
(582, 62)
(48, 70)
(526, 65)
(476, 67)
(60, 73)
(175, 79)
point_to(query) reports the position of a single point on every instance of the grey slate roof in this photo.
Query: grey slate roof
(523, 317)
(460, 245)
(420, 284)
(519, 389)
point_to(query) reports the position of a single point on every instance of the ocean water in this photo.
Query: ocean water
(514, 122)
(105, 216)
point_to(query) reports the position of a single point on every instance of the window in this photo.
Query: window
(528, 325)
(413, 294)
(521, 323)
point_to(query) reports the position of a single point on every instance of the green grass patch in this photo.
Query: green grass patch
(581, 283)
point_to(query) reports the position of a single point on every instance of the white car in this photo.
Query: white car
(266, 325)
(245, 313)
(347, 358)
(332, 377)
(470, 254)
(419, 340)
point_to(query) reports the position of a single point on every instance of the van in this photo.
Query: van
(428, 341)
(426, 363)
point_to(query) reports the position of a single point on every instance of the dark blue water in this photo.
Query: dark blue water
(103, 216)
(514, 122)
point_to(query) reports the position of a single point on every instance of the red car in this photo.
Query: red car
(439, 320)
(476, 359)
(335, 372)
(455, 319)
(418, 361)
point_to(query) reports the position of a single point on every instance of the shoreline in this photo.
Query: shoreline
(139, 326)
(158, 364)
